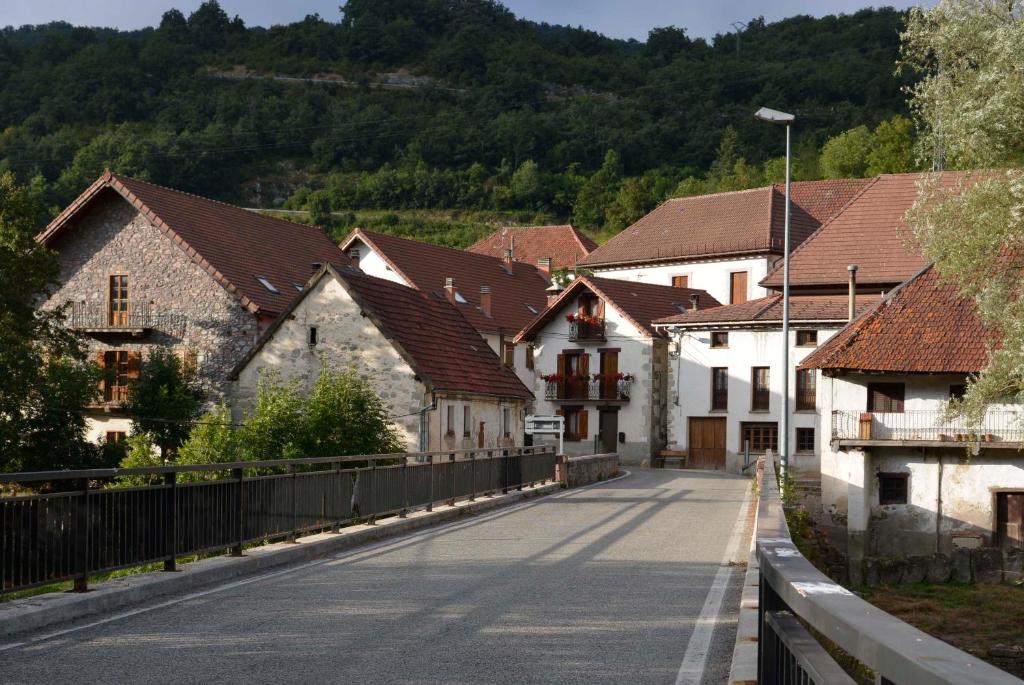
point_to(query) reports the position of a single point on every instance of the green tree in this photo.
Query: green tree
(846, 155)
(213, 440)
(318, 204)
(275, 428)
(345, 415)
(525, 184)
(597, 192)
(892, 148)
(971, 110)
(46, 378)
(631, 202)
(164, 401)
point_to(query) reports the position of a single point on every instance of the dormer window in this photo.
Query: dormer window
(459, 298)
(298, 286)
(268, 285)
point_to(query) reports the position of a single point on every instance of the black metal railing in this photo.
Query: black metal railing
(582, 331)
(614, 390)
(100, 317)
(795, 596)
(90, 525)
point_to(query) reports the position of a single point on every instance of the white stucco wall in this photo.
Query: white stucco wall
(711, 275)
(373, 264)
(690, 389)
(637, 417)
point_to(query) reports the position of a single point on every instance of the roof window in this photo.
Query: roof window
(533, 310)
(268, 285)
(298, 286)
(459, 298)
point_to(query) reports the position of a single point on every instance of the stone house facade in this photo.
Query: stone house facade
(445, 387)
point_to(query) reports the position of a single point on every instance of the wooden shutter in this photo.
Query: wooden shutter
(134, 361)
(561, 375)
(101, 361)
(886, 397)
(680, 281)
(529, 357)
(584, 365)
(737, 287)
(584, 432)
(609, 369)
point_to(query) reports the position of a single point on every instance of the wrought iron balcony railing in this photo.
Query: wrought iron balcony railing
(98, 317)
(582, 331)
(614, 390)
(1006, 426)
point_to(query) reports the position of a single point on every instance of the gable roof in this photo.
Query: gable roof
(426, 330)
(514, 287)
(565, 245)
(639, 303)
(235, 245)
(868, 233)
(767, 310)
(924, 326)
(739, 222)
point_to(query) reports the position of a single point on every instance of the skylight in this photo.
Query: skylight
(459, 298)
(298, 286)
(532, 309)
(268, 285)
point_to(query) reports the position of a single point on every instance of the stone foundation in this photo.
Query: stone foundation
(984, 565)
(590, 469)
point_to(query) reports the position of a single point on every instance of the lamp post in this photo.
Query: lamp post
(777, 117)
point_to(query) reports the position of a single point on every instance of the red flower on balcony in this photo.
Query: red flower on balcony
(554, 378)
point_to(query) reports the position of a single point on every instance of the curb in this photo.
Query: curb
(41, 611)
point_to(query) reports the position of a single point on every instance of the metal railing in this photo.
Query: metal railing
(97, 316)
(927, 425)
(794, 596)
(92, 526)
(585, 330)
(586, 389)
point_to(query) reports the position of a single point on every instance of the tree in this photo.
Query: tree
(345, 415)
(213, 440)
(630, 203)
(846, 155)
(970, 103)
(597, 192)
(46, 379)
(275, 429)
(318, 204)
(892, 147)
(525, 184)
(164, 401)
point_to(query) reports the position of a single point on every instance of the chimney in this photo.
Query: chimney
(694, 300)
(853, 290)
(485, 300)
(508, 256)
(449, 288)
(544, 264)
(553, 291)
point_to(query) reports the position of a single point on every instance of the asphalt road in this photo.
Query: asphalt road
(598, 585)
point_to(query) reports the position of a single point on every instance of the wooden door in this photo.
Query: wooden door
(737, 287)
(707, 443)
(608, 428)
(1010, 519)
(609, 371)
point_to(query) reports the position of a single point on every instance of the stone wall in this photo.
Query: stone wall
(986, 565)
(590, 469)
(197, 315)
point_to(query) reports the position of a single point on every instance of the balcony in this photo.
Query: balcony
(1001, 429)
(586, 329)
(96, 318)
(588, 389)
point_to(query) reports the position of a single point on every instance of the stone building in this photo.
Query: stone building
(599, 362)
(445, 386)
(144, 266)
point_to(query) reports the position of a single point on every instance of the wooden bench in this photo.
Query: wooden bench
(671, 459)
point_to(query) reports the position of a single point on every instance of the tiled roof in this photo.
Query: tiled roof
(433, 337)
(565, 245)
(235, 245)
(869, 232)
(744, 221)
(924, 326)
(640, 303)
(425, 266)
(769, 309)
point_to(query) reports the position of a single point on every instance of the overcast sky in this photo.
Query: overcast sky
(616, 18)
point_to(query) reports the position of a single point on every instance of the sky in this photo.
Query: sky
(614, 18)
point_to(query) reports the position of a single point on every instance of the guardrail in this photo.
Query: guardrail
(97, 527)
(794, 594)
(97, 317)
(927, 425)
(616, 390)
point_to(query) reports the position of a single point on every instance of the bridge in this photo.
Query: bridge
(623, 581)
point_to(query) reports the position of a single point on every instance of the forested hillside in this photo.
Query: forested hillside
(436, 104)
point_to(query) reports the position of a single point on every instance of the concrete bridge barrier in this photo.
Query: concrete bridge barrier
(576, 471)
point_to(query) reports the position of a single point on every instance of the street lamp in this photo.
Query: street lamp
(776, 117)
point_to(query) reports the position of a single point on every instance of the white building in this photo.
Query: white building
(445, 387)
(599, 362)
(724, 243)
(898, 477)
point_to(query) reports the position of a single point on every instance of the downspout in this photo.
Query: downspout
(938, 510)
(424, 441)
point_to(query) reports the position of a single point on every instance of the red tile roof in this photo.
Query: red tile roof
(565, 245)
(438, 342)
(869, 232)
(514, 287)
(769, 310)
(233, 244)
(744, 221)
(924, 326)
(640, 303)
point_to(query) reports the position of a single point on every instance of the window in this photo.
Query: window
(533, 310)
(313, 334)
(893, 488)
(760, 436)
(806, 390)
(957, 391)
(575, 423)
(450, 425)
(267, 284)
(807, 338)
(737, 287)
(506, 422)
(759, 392)
(804, 439)
(353, 254)
(1010, 519)
(459, 298)
(680, 281)
(508, 354)
(529, 357)
(719, 339)
(115, 437)
(118, 371)
(467, 425)
(298, 286)
(719, 389)
(885, 397)
(118, 313)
